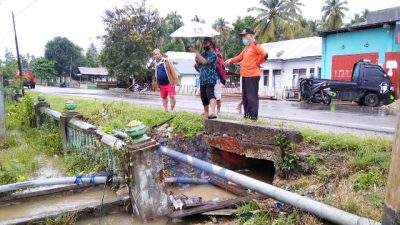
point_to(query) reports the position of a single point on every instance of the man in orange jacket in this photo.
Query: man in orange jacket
(252, 56)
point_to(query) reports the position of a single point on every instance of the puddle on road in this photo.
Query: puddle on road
(56, 202)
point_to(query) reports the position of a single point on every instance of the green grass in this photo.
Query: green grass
(18, 154)
(118, 114)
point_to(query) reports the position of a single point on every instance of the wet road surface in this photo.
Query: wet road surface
(341, 118)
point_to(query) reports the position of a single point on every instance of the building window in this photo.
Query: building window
(319, 72)
(312, 73)
(276, 72)
(266, 77)
(298, 73)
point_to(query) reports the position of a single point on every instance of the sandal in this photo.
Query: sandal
(212, 116)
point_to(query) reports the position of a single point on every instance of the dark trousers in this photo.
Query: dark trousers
(250, 97)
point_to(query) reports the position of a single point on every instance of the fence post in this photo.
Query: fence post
(64, 119)
(391, 211)
(149, 201)
(40, 117)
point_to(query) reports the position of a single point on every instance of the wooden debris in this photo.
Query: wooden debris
(218, 205)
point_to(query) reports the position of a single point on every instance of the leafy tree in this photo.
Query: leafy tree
(358, 18)
(235, 40)
(92, 56)
(44, 69)
(293, 8)
(132, 32)
(8, 67)
(174, 45)
(222, 40)
(197, 18)
(173, 21)
(333, 13)
(273, 20)
(66, 55)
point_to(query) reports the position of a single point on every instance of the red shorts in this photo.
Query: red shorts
(166, 90)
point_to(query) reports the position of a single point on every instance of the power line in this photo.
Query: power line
(26, 7)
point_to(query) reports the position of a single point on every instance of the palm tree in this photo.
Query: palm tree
(293, 8)
(272, 21)
(221, 25)
(333, 13)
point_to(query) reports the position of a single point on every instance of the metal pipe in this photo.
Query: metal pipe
(321, 210)
(185, 180)
(57, 181)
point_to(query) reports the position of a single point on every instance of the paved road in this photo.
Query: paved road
(341, 118)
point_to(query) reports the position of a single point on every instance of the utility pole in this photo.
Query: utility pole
(391, 211)
(18, 58)
(2, 113)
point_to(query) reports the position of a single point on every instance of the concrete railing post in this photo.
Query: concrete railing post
(40, 117)
(65, 117)
(391, 213)
(149, 201)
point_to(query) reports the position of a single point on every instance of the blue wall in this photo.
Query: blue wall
(379, 40)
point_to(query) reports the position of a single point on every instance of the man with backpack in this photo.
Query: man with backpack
(252, 56)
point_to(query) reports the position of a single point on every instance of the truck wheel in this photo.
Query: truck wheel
(371, 99)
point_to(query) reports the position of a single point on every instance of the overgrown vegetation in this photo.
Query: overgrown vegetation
(18, 155)
(116, 115)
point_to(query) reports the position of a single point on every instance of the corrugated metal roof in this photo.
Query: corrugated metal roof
(185, 66)
(294, 49)
(384, 15)
(93, 71)
(180, 55)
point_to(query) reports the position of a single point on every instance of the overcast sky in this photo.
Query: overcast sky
(38, 21)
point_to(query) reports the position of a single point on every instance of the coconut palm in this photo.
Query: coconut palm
(293, 8)
(197, 18)
(272, 21)
(221, 25)
(333, 13)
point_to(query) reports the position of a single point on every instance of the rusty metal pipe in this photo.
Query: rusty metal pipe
(319, 209)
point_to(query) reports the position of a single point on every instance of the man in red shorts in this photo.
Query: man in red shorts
(166, 78)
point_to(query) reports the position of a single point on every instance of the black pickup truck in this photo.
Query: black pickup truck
(369, 85)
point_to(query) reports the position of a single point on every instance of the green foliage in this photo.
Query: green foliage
(65, 54)
(313, 160)
(9, 68)
(14, 170)
(235, 41)
(285, 218)
(365, 180)
(44, 68)
(188, 123)
(92, 56)
(132, 33)
(78, 163)
(176, 46)
(288, 160)
(10, 142)
(333, 13)
(118, 115)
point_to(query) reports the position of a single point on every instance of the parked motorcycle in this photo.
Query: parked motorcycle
(315, 92)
